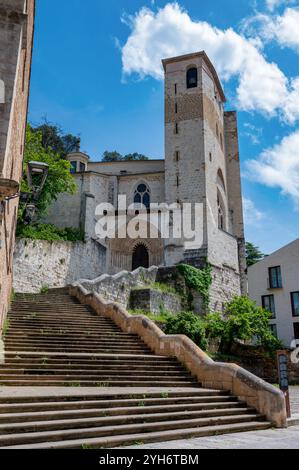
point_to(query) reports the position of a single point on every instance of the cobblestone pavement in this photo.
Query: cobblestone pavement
(294, 395)
(268, 439)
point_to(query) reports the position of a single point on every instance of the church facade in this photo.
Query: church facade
(201, 166)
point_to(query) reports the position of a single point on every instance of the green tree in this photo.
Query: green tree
(112, 156)
(253, 254)
(59, 178)
(245, 321)
(135, 157)
(53, 138)
(118, 157)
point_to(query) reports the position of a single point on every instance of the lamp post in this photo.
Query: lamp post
(37, 173)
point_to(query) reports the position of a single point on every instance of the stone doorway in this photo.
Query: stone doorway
(140, 258)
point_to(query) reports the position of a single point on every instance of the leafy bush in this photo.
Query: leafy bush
(199, 280)
(244, 320)
(215, 325)
(189, 324)
(49, 232)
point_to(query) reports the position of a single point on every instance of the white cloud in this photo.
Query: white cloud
(279, 167)
(170, 31)
(284, 29)
(254, 133)
(272, 4)
(252, 215)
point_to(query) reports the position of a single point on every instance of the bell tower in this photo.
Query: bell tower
(202, 164)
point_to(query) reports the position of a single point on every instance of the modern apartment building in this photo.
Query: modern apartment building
(274, 284)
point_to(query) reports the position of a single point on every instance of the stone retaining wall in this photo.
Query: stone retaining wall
(39, 263)
(154, 301)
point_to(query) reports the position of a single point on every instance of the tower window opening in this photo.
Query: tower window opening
(176, 130)
(73, 167)
(175, 89)
(177, 156)
(221, 213)
(176, 108)
(221, 140)
(192, 77)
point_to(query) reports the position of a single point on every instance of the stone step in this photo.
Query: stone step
(127, 429)
(91, 346)
(41, 339)
(38, 326)
(113, 397)
(32, 424)
(80, 319)
(127, 406)
(88, 345)
(45, 349)
(106, 360)
(93, 383)
(56, 312)
(111, 369)
(144, 437)
(32, 355)
(176, 374)
(73, 332)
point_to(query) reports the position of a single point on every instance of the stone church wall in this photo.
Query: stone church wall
(39, 263)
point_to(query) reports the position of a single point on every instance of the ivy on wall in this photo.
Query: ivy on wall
(199, 280)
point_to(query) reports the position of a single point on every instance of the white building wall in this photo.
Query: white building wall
(258, 285)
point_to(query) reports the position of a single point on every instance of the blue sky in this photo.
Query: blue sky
(96, 72)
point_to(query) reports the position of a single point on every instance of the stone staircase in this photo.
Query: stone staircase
(112, 389)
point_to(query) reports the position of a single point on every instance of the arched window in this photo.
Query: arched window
(192, 77)
(221, 212)
(142, 195)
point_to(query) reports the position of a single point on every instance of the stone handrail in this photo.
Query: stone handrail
(117, 287)
(257, 393)
(115, 277)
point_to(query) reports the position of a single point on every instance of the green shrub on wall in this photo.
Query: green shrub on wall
(199, 280)
(49, 232)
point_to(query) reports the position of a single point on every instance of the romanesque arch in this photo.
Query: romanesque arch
(122, 250)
